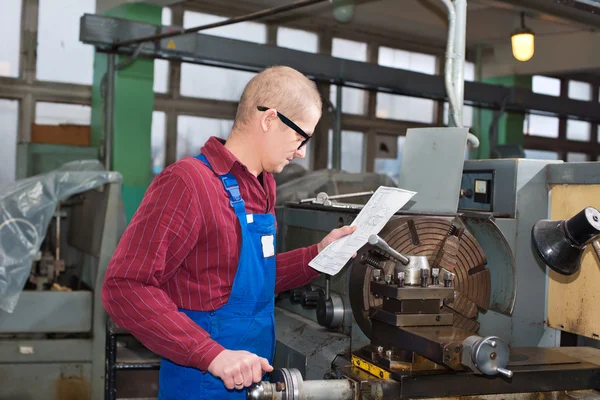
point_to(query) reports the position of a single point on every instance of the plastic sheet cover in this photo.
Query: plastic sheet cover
(26, 209)
(331, 182)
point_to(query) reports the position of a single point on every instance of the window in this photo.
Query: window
(57, 114)
(541, 154)
(10, 29)
(577, 157)
(9, 122)
(352, 151)
(61, 57)
(297, 39)
(161, 67)
(545, 85)
(580, 90)
(391, 166)
(248, 31)
(405, 107)
(578, 130)
(159, 129)
(353, 100)
(540, 125)
(408, 60)
(193, 132)
(213, 82)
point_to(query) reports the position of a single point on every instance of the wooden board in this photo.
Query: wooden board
(573, 301)
(70, 135)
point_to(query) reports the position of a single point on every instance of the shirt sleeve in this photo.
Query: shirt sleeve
(161, 233)
(293, 270)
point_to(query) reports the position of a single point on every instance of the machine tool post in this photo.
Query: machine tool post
(400, 279)
(376, 241)
(448, 278)
(377, 275)
(435, 272)
(424, 277)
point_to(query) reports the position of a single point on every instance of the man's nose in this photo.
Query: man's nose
(300, 153)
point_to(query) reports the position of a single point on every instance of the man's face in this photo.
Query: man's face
(283, 141)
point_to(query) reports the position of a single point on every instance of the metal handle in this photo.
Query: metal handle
(375, 240)
(505, 372)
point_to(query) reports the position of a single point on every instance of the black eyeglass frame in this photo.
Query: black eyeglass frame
(290, 124)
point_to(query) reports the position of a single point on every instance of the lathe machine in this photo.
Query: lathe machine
(442, 305)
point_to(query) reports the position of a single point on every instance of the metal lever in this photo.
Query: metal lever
(325, 199)
(505, 372)
(375, 240)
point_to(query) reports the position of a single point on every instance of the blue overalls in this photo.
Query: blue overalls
(247, 321)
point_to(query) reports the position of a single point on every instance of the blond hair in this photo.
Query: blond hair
(282, 88)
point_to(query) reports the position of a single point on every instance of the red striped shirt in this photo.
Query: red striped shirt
(181, 249)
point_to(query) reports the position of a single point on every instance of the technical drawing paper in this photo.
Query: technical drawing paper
(384, 203)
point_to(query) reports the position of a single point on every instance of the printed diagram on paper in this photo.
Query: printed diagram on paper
(384, 203)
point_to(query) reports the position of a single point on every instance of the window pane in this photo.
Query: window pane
(352, 151)
(213, 82)
(408, 60)
(9, 121)
(404, 108)
(580, 90)
(578, 130)
(297, 39)
(469, 71)
(349, 49)
(248, 31)
(61, 57)
(10, 29)
(193, 132)
(577, 157)
(161, 67)
(57, 114)
(159, 129)
(540, 125)
(541, 154)
(391, 167)
(545, 85)
(353, 100)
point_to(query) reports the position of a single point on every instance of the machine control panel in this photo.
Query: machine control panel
(476, 191)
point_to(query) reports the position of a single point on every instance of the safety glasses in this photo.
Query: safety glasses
(292, 125)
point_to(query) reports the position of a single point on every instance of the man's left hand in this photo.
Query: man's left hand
(335, 235)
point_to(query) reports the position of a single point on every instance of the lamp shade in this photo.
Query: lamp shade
(522, 45)
(560, 243)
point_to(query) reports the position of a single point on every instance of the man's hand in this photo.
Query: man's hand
(239, 369)
(335, 235)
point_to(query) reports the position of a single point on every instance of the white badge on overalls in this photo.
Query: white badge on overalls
(268, 247)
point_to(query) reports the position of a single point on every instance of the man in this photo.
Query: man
(194, 275)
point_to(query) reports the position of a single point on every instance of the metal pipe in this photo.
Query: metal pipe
(378, 242)
(454, 27)
(458, 67)
(247, 17)
(109, 108)
(449, 67)
(336, 142)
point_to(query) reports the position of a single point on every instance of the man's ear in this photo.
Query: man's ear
(267, 119)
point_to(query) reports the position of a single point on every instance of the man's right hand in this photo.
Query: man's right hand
(239, 369)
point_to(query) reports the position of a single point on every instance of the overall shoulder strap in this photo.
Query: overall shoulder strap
(231, 187)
